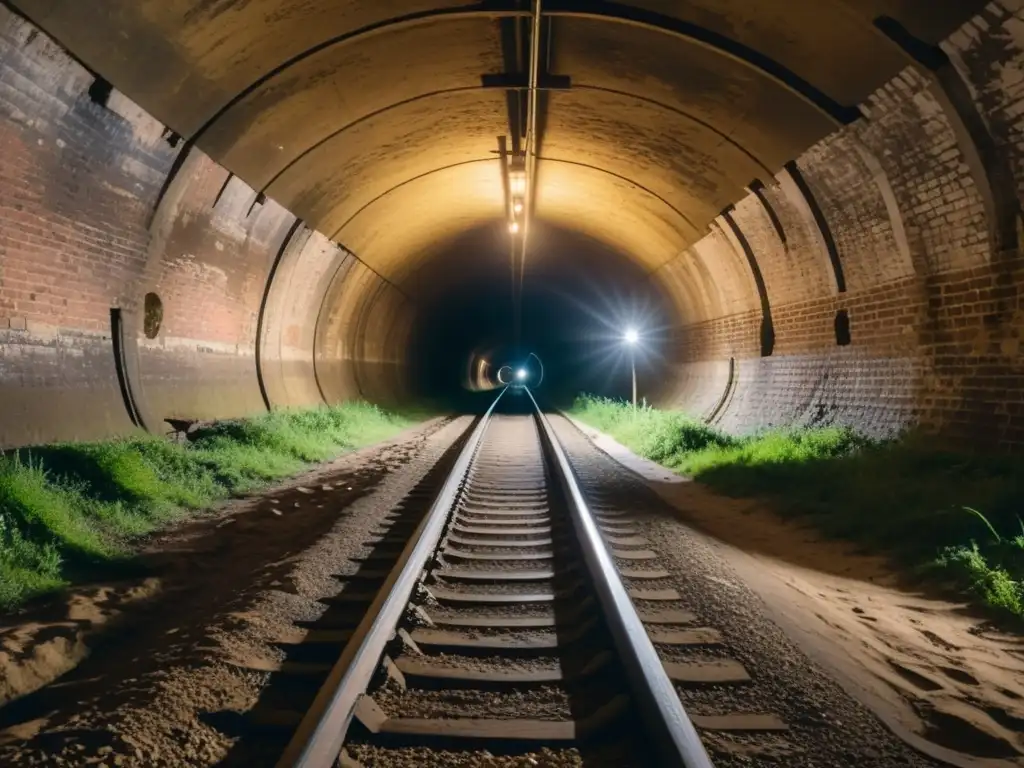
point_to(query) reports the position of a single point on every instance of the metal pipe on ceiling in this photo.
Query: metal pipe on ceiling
(530, 152)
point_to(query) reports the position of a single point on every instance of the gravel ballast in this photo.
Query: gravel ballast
(827, 727)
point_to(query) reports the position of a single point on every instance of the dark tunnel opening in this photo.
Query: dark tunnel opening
(579, 298)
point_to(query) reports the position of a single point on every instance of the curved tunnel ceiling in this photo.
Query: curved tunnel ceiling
(378, 121)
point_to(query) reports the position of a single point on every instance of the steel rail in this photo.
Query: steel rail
(321, 734)
(676, 740)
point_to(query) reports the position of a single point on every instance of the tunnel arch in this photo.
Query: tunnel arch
(773, 167)
(275, 90)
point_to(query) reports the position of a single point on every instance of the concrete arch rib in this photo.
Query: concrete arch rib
(408, 225)
(481, 201)
(400, 229)
(338, 233)
(340, 230)
(686, 115)
(331, 185)
(709, 40)
(628, 180)
(348, 126)
(372, 30)
(683, 162)
(681, 113)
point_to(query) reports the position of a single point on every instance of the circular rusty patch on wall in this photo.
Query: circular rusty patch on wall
(154, 315)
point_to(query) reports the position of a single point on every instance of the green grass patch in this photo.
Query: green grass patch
(73, 510)
(952, 515)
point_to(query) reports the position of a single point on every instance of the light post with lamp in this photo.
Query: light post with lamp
(631, 337)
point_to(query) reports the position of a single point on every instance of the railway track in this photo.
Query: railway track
(518, 623)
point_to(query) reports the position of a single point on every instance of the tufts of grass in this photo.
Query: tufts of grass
(949, 514)
(74, 510)
(990, 582)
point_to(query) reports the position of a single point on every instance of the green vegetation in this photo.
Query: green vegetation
(73, 510)
(950, 514)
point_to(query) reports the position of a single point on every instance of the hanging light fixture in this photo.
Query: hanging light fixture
(517, 182)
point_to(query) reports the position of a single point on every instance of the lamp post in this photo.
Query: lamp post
(631, 337)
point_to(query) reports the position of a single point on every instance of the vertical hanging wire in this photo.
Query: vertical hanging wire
(530, 165)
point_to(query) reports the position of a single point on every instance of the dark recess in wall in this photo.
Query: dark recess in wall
(153, 315)
(172, 138)
(931, 56)
(842, 327)
(258, 202)
(121, 363)
(100, 91)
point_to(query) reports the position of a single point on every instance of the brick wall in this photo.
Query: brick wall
(77, 184)
(989, 52)
(98, 209)
(209, 258)
(935, 318)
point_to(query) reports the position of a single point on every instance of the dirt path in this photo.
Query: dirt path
(159, 671)
(937, 675)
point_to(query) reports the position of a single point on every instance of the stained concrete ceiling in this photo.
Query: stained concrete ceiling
(377, 121)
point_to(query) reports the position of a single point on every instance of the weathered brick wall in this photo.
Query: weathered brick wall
(365, 320)
(209, 259)
(78, 182)
(989, 53)
(845, 385)
(97, 209)
(932, 299)
(789, 274)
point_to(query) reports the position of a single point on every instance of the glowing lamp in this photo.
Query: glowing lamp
(517, 183)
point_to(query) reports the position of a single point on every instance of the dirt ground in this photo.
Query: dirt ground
(934, 672)
(159, 670)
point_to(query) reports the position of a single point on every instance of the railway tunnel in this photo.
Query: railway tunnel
(807, 212)
(214, 208)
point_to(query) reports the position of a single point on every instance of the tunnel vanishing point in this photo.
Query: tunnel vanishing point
(209, 208)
